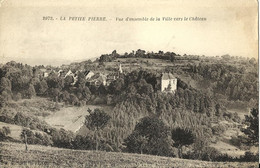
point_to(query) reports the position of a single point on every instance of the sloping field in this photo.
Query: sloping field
(71, 118)
(14, 155)
(228, 149)
(15, 130)
(37, 106)
(241, 112)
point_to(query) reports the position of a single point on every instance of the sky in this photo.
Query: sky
(230, 28)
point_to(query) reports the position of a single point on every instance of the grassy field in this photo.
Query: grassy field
(37, 106)
(14, 155)
(71, 118)
(227, 148)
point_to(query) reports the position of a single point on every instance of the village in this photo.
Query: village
(167, 80)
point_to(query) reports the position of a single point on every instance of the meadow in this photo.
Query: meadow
(14, 155)
(71, 118)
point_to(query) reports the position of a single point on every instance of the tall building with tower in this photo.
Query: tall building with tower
(120, 69)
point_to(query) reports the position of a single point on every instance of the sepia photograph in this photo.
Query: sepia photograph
(129, 84)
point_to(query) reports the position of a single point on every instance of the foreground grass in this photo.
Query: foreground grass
(14, 155)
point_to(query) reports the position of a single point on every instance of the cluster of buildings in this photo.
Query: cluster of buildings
(94, 78)
(168, 81)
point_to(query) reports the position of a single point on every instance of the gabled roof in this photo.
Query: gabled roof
(166, 76)
(100, 78)
(69, 73)
(87, 72)
(43, 69)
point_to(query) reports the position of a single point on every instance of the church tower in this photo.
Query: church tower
(120, 69)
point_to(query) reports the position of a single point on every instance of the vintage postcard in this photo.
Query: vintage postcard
(152, 83)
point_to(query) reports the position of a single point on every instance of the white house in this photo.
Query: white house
(60, 72)
(89, 74)
(98, 79)
(168, 83)
(69, 73)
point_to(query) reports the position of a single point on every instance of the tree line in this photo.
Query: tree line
(171, 56)
(234, 82)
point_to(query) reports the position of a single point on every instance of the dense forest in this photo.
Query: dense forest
(234, 82)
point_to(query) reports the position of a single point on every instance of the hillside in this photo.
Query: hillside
(130, 109)
(71, 118)
(13, 155)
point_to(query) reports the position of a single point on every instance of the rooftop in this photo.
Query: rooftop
(166, 76)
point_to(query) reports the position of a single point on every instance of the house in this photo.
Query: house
(60, 72)
(37, 73)
(45, 72)
(168, 83)
(69, 73)
(98, 79)
(76, 74)
(64, 74)
(88, 74)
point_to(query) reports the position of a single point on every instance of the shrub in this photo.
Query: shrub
(6, 119)
(29, 121)
(238, 141)
(208, 154)
(250, 157)
(218, 129)
(17, 96)
(83, 143)
(62, 138)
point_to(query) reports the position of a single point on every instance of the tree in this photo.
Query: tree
(5, 84)
(137, 143)
(73, 99)
(5, 88)
(68, 81)
(54, 81)
(41, 87)
(182, 137)
(4, 132)
(54, 93)
(252, 129)
(117, 86)
(150, 136)
(29, 92)
(85, 93)
(96, 121)
(102, 90)
(218, 110)
(2, 101)
(65, 96)
(26, 135)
